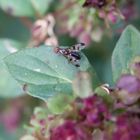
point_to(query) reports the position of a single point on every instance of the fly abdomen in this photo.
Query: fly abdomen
(75, 55)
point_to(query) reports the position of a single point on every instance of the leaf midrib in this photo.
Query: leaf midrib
(67, 80)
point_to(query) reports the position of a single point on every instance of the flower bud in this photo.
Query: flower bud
(39, 31)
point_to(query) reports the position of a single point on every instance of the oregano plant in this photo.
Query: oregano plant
(70, 70)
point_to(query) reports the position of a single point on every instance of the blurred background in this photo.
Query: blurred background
(70, 22)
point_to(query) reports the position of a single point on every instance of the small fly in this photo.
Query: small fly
(72, 53)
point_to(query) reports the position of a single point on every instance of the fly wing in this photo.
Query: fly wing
(73, 60)
(77, 47)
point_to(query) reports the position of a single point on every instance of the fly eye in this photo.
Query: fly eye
(64, 52)
(56, 49)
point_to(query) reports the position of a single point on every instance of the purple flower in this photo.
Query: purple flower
(129, 83)
(94, 111)
(135, 128)
(129, 10)
(112, 16)
(128, 89)
(69, 131)
(95, 3)
(11, 119)
(85, 37)
(77, 30)
(127, 127)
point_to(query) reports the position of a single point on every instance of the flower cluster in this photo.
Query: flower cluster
(87, 119)
(95, 3)
(113, 115)
(43, 32)
(81, 22)
(86, 23)
(127, 127)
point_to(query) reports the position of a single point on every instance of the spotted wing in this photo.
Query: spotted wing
(77, 47)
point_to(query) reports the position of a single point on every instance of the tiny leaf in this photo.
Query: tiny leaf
(59, 104)
(82, 85)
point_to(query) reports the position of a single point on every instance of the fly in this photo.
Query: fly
(72, 53)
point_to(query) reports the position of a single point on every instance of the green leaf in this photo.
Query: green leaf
(13, 28)
(59, 104)
(25, 7)
(8, 86)
(44, 72)
(126, 50)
